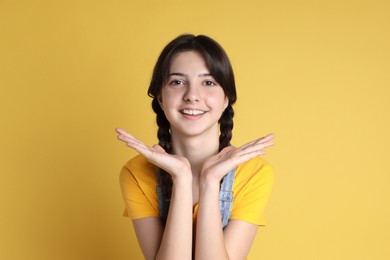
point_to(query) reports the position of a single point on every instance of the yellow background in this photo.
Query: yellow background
(316, 73)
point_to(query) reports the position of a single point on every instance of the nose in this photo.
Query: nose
(192, 93)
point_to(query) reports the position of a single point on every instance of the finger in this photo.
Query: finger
(254, 148)
(131, 141)
(122, 134)
(120, 131)
(262, 143)
(250, 155)
(127, 137)
(139, 146)
(260, 140)
(244, 157)
(158, 148)
(227, 149)
(266, 138)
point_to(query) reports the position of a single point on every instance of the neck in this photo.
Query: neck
(196, 148)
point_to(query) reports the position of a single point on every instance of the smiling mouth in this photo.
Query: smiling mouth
(192, 112)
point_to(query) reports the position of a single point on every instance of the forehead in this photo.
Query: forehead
(188, 61)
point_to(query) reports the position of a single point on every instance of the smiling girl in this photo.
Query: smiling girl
(193, 195)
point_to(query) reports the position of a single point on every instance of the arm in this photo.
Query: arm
(149, 233)
(209, 235)
(175, 241)
(211, 241)
(236, 240)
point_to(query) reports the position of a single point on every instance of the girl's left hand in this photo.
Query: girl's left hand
(217, 166)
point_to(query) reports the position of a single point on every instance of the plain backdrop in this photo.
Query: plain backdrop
(315, 73)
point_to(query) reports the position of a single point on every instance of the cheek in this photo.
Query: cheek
(220, 100)
(165, 101)
(218, 103)
(168, 100)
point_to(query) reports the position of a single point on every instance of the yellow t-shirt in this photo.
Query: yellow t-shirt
(252, 185)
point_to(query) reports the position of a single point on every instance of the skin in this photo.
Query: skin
(194, 166)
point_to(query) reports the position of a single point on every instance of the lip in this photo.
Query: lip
(192, 113)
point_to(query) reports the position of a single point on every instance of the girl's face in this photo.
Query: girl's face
(192, 100)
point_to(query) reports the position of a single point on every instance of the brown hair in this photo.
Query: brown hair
(219, 66)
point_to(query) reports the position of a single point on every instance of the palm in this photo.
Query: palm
(230, 157)
(156, 154)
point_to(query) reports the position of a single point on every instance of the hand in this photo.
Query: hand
(172, 164)
(217, 166)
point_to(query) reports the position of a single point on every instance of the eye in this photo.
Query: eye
(176, 82)
(210, 83)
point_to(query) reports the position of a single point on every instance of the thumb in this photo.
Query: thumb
(226, 149)
(158, 148)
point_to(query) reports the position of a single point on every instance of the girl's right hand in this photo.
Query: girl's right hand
(172, 164)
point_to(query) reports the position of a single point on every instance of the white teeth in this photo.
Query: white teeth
(192, 112)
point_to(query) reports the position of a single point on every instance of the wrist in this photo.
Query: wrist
(182, 177)
(207, 179)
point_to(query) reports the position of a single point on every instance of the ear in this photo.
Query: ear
(225, 105)
(160, 102)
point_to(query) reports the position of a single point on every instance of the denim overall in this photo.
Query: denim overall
(225, 198)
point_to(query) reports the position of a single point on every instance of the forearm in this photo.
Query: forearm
(177, 239)
(210, 243)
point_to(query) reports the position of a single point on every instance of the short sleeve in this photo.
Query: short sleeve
(138, 186)
(252, 187)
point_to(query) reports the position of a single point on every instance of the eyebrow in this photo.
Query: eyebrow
(184, 75)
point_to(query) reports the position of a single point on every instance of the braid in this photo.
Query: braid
(217, 62)
(164, 140)
(226, 127)
(163, 133)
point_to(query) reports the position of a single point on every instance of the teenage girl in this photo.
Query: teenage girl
(193, 91)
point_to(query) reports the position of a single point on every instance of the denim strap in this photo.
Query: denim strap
(226, 197)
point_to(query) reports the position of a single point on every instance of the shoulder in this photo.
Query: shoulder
(138, 162)
(254, 176)
(140, 169)
(256, 168)
(138, 181)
